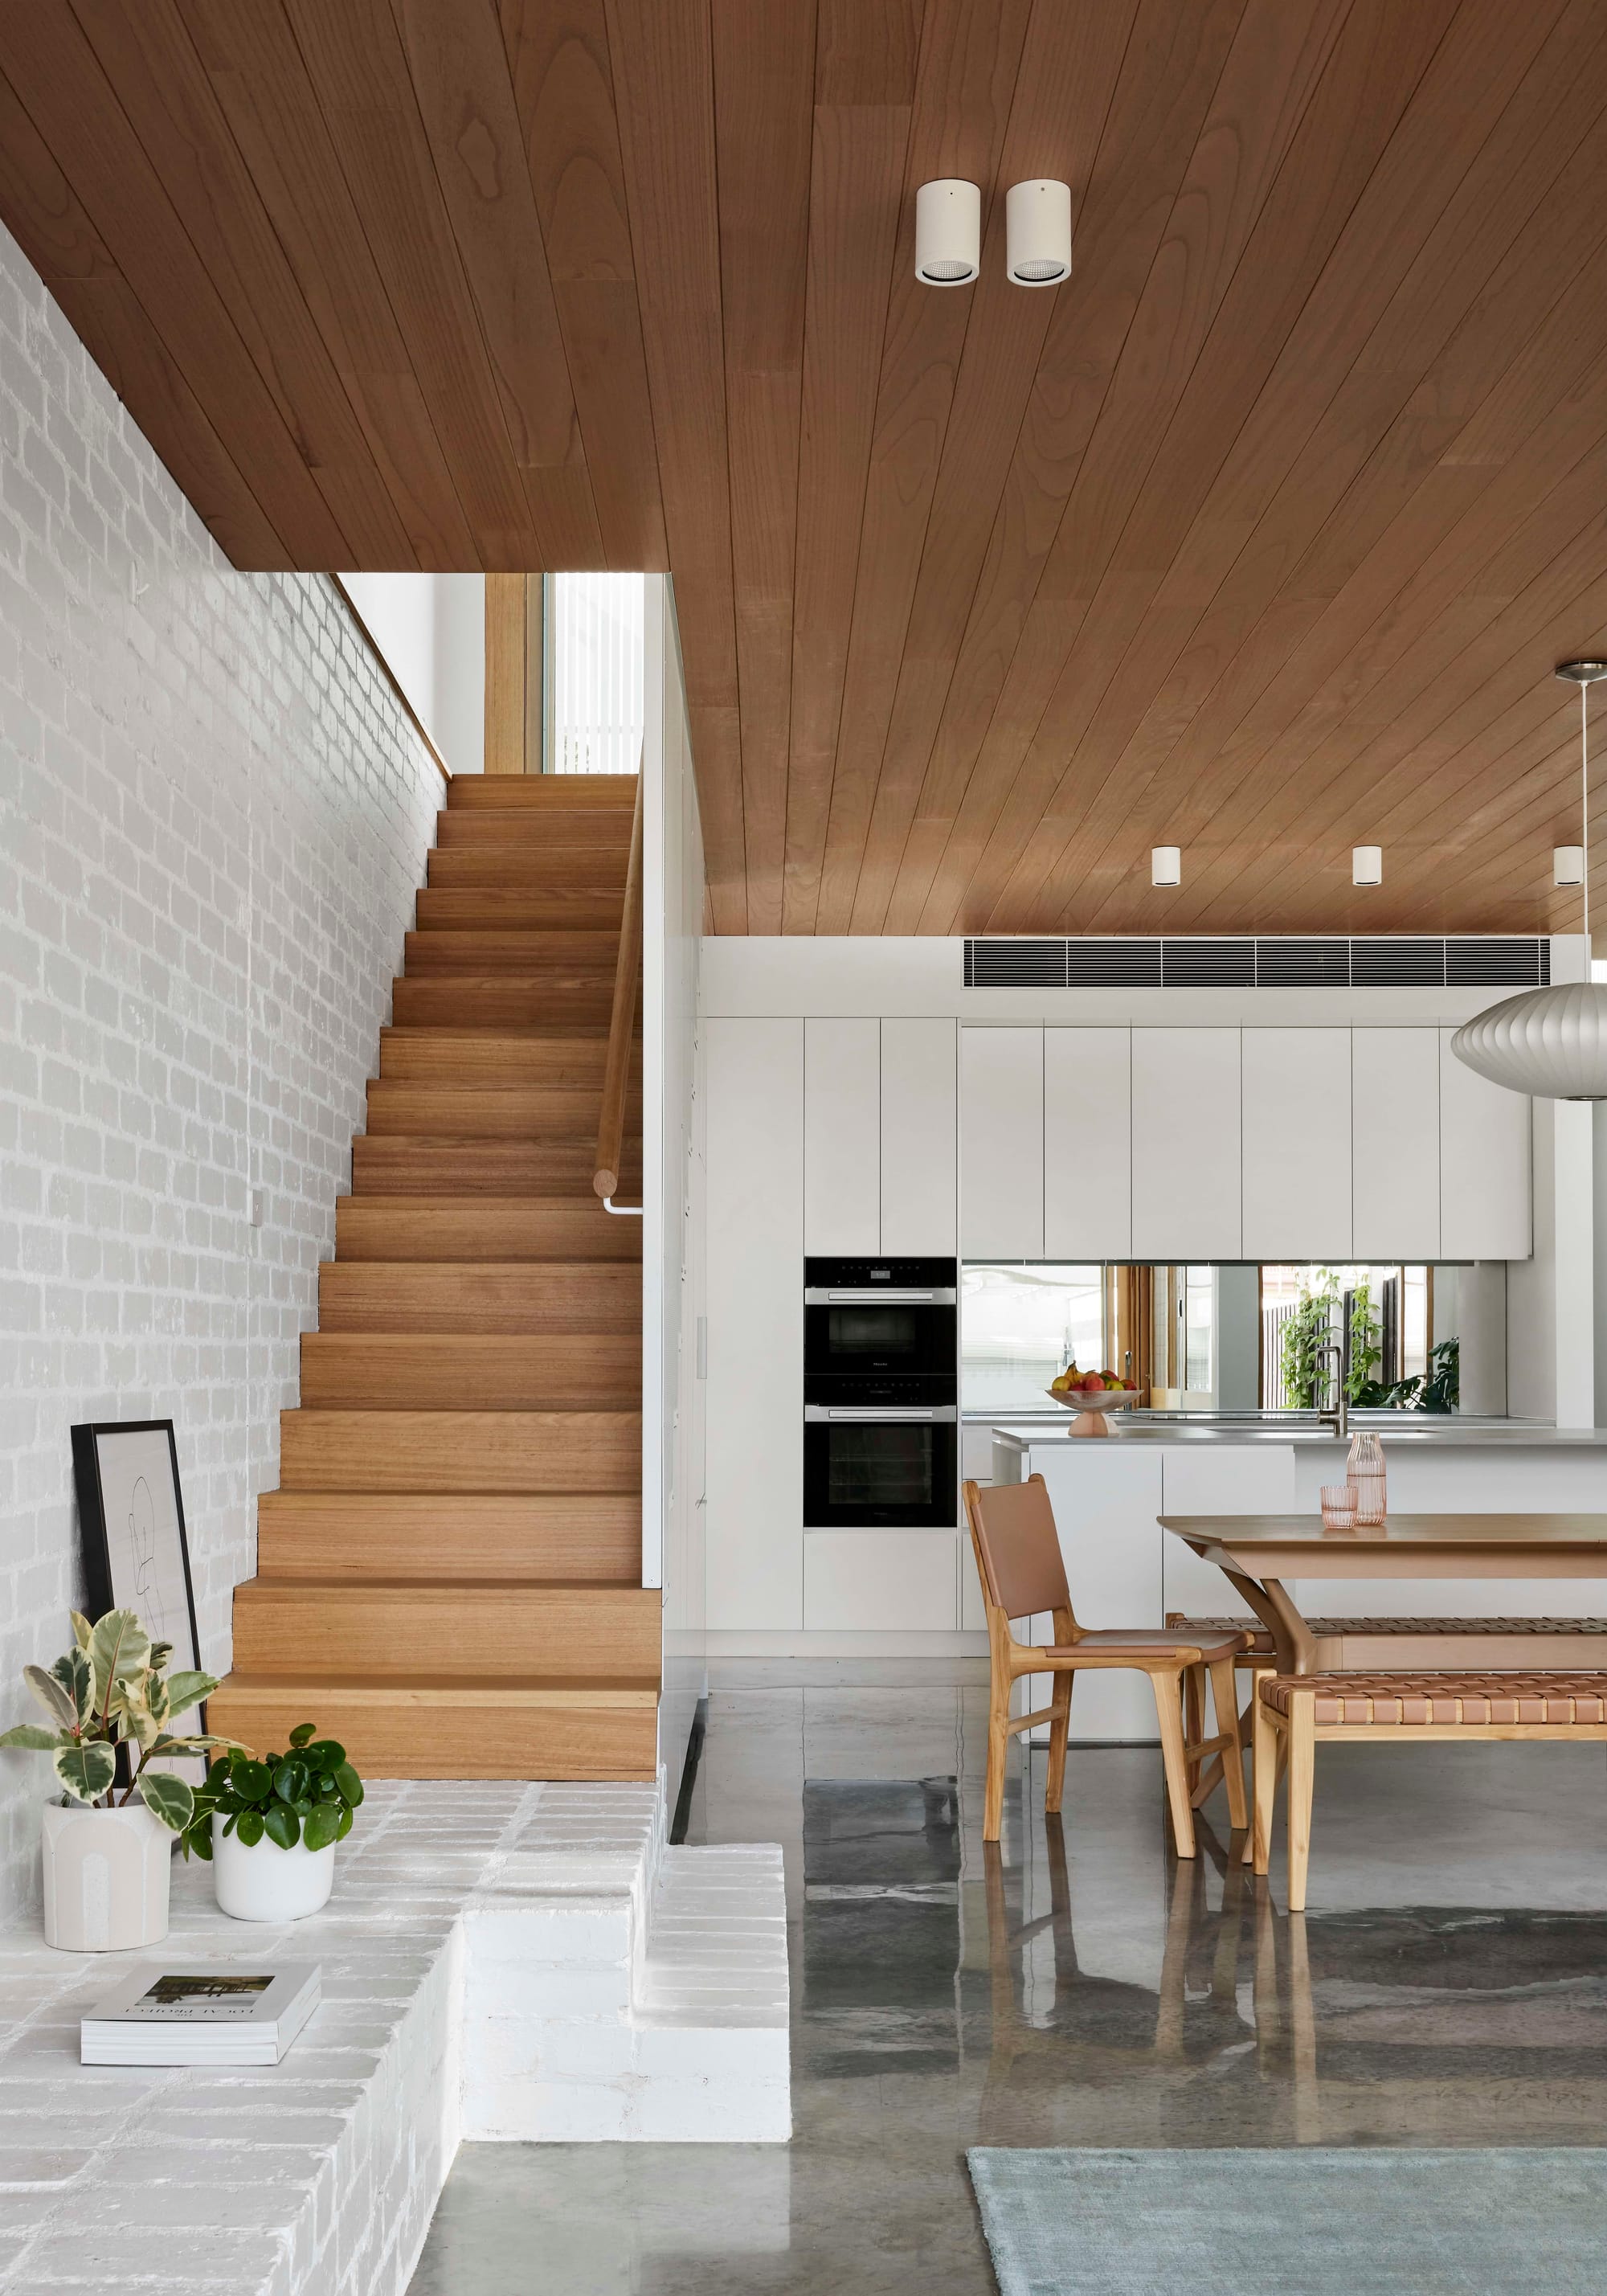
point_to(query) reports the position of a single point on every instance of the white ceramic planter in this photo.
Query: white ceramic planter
(106, 1878)
(266, 1884)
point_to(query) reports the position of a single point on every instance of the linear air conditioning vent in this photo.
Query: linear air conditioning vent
(1207, 963)
(1113, 963)
(1377, 960)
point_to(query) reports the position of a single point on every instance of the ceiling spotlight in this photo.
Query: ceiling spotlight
(948, 233)
(1166, 865)
(1037, 233)
(1366, 864)
(1568, 865)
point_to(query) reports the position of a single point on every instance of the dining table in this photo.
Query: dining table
(1259, 1553)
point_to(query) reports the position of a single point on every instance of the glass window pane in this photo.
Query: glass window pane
(595, 639)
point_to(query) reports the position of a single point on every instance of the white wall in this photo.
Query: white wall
(431, 630)
(673, 1190)
(213, 818)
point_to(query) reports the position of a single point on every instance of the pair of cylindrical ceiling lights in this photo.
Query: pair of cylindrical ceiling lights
(948, 233)
(1366, 864)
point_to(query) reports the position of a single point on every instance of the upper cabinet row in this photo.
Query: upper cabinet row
(880, 1136)
(1225, 1143)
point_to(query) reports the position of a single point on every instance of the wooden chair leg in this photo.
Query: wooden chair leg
(1194, 1717)
(1226, 1697)
(1302, 1778)
(1168, 1706)
(1060, 1730)
(998, 1748)
(1264, 1737)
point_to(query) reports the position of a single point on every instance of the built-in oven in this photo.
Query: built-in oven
(881, 1394)
(887, 1326)
(866, 1466)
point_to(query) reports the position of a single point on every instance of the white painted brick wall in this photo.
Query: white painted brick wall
(213, 818)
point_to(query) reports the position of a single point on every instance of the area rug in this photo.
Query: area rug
(1303, 2221)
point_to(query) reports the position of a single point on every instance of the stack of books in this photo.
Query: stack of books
(222, 2016)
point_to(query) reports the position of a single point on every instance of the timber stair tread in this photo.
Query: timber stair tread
(551, 833)
(522, 1230)
(433, 1108)
(531, 1296)
(501, 1001)
(528, 868)
(542, 793)
(485, 1538)
(505, 909)
(399, 1164)
(521, 1371)
(573, 954)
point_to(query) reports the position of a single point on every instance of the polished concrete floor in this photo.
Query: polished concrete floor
(1078, 1986)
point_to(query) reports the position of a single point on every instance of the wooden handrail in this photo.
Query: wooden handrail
(622, 1025)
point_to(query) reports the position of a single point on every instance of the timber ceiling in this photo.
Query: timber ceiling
(1259, 538)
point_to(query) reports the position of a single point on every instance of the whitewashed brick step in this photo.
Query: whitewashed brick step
(499, 1960)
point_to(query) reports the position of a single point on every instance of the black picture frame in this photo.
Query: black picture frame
(136, 1550)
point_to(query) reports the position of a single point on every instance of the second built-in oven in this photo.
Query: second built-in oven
(880, 1393)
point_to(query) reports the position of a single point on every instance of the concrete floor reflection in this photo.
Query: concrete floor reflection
(1075, 1985)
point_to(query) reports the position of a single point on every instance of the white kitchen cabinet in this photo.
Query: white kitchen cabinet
(920, 1138)
(1001, 1144)
(1485, 1211)
(755, 1113)
(1187, 1199)
(1395, 1144)
(880, 1581)
(1087, 1143)
(1105, 1509)
(842, 1136)
(1229, 1479)
(1295, 1104)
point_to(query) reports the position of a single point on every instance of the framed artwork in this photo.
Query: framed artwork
(135, 1554)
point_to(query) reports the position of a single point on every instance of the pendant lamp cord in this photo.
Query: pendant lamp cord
(1584, 817)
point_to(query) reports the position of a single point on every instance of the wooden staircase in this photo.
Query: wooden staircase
(449, 1575)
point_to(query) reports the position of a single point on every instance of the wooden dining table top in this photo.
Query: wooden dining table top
(1412, 1545)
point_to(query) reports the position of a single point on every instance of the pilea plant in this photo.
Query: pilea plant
(306, 1795)
(112, 1689)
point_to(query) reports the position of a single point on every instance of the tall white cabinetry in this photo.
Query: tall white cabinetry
(920, 1138)
(1395, 1135)
(1296, 1160)
(1001, 1144)
(1087, 1143)
(755, 1290)
(842, 1136)
(1485, 1133)
(1186, 1144)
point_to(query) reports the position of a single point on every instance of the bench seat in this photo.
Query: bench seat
(1387, 1702)
(1295, 1712)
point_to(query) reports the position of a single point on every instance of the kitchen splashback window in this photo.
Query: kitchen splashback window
(1020, 1322)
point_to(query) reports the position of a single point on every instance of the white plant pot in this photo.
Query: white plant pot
(106, 1878)
(266, 1884)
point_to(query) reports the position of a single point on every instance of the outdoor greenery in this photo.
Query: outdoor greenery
(1367, 1342)
(1439, 1388)
(112, 1690)
(306, 1795)
(1307, 1331)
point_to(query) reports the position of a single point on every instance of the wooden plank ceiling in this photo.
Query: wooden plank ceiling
(1259, 538)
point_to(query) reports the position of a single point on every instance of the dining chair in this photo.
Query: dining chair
(1022, 1573)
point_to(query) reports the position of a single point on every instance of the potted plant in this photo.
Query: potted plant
(270, 1825)
(106, 1848)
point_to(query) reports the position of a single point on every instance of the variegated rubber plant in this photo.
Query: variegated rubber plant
(112, 1688)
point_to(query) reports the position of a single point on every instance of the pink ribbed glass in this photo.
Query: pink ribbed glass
(1365, 1473)
(1338, 1505)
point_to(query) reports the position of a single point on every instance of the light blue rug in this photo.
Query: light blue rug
(1296, 2222)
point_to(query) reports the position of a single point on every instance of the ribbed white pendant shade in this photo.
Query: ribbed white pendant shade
(1550, 1042)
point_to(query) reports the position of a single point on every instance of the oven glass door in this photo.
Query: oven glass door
(861, 1474)
(849, 1338)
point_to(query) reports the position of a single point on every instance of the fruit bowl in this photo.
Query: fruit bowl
(1094, 1398)
(1091, 1405)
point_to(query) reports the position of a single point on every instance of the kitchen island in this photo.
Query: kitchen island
(1126, 1571)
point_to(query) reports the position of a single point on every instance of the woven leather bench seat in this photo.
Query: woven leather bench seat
(1397, 1700)
(1260, 1641)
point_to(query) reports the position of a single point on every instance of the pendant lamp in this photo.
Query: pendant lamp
(1551, 1042)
